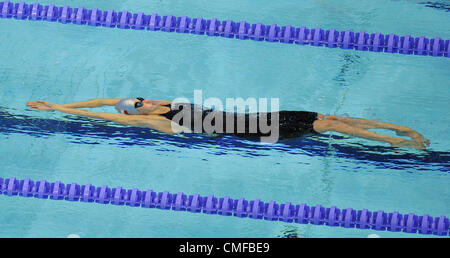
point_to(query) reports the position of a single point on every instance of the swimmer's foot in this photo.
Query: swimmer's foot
(408, 143)
(415, 136)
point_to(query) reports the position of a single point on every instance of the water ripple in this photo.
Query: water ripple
(94, 132)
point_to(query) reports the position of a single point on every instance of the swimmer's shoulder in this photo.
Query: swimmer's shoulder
(163, 101)
(152, 117)
(168, 102)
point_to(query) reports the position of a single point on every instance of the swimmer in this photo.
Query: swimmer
(158, 115)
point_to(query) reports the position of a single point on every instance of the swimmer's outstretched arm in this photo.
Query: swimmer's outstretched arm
(92, 103)
(101, 102)
(140, 121)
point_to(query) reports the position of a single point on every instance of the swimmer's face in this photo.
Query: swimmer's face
(146, 106)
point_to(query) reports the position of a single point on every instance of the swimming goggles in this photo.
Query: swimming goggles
(139, 103)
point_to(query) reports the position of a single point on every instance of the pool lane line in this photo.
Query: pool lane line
(226, 206)
(331, 38)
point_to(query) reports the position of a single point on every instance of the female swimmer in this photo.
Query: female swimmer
(159, 115)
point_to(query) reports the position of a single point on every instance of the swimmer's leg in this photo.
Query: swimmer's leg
(372, 124)
(367, 124)
(321, 126)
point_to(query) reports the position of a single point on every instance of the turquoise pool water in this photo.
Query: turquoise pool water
(66, 63)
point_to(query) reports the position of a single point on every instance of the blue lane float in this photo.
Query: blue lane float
(226, 206)
(362, 41)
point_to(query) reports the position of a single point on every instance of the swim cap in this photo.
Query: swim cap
(126, 106)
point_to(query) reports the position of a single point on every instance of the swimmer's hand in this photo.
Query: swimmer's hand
(41, 105)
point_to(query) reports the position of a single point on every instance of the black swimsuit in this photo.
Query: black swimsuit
(292, 124)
